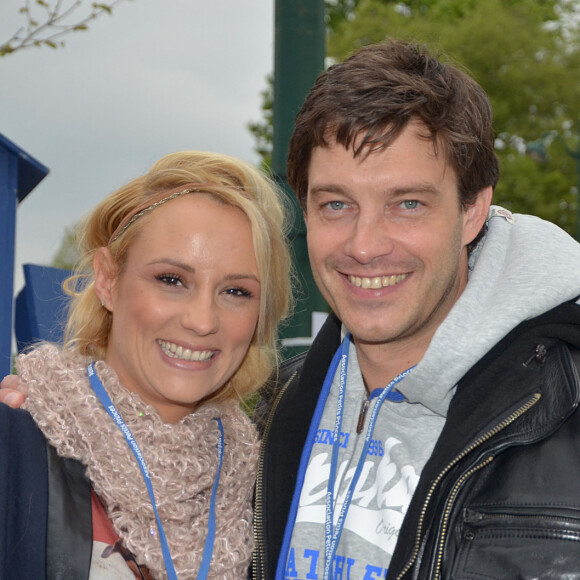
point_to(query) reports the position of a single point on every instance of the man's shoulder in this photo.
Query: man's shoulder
(291, 367)
(317, 356)
(302, 375)
(289, 370)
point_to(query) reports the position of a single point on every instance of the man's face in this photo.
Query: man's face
(387, 238)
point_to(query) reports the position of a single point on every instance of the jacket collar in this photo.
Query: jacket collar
(287, 434)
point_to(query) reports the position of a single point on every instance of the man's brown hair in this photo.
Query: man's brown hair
(366, 101)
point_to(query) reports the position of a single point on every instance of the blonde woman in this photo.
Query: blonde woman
(132, 458)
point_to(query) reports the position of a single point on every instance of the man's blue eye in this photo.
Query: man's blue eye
(411, 204)
(336, 205)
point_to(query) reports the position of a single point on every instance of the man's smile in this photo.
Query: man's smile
(377, 281)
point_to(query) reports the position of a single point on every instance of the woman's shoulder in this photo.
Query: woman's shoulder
(46, 358)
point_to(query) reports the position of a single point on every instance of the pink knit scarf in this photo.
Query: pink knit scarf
(181, 458)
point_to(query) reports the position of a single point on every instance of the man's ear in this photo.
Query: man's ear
(105, 277)
(474, 216)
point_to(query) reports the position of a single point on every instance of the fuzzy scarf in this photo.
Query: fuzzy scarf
(181, 457)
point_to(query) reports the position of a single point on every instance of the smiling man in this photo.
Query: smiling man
(427, 432)
(387, 239)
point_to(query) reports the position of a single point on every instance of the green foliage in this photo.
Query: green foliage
(263, 130)
(67, 254)
(338, 10)
(47, 22)
(528, 186)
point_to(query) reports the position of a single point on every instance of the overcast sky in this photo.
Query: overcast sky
(157, 76)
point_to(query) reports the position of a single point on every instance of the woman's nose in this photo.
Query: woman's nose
(201, 314)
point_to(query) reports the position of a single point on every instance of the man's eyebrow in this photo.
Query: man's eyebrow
(327, 188)
(428, 188)
(414, 188)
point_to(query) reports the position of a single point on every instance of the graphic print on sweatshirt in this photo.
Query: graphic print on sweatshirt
(389, 475)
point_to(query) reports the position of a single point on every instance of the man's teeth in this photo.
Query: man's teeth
(377, 281)
(174, 351)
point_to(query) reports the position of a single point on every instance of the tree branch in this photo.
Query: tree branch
(46, 24)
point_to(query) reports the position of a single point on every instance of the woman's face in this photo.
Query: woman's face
(186, 305)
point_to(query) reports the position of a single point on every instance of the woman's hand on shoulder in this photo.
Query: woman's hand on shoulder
(13, 391)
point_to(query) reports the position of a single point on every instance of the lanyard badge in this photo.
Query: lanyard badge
(103, 396)
(332, 531)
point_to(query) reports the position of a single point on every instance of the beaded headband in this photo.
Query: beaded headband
(152, 203)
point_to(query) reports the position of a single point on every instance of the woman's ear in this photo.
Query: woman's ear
(105, 277)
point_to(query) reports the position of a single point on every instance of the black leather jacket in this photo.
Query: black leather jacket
(500, 495)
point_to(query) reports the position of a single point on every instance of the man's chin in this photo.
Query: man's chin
(368, 333)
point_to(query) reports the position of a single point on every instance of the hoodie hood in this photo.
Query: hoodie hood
(522, 267)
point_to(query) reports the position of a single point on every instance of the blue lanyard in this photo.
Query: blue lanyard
(332, 532)
(209, 540)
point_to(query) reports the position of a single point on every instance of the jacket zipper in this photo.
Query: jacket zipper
(362, 415)
(258, 503)
(447, 511)
(491, 433)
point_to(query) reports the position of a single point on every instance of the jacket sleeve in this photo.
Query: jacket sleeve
(23, 496)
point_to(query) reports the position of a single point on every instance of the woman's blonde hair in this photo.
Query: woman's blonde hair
(230, 181)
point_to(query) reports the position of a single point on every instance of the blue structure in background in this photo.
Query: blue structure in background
(41, 306)
(19, 175)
